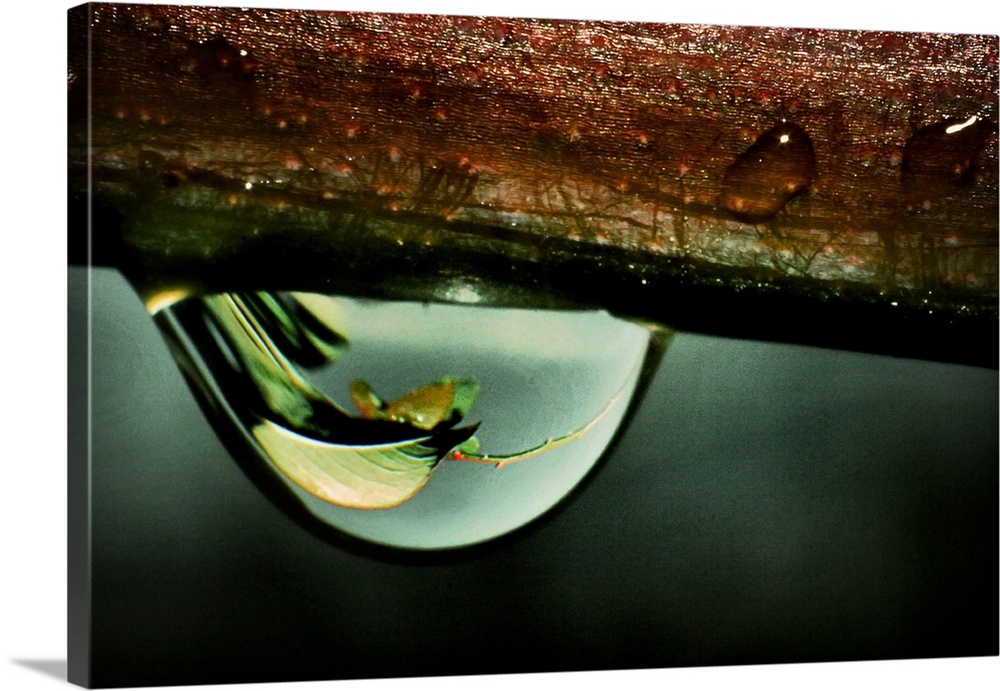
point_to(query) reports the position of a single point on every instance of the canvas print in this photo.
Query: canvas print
(418, 345)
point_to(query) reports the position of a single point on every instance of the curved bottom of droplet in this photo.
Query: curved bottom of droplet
(543, 375)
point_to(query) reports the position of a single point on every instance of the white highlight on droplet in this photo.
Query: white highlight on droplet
(961, 126)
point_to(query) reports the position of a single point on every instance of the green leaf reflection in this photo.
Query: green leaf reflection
(376, 459)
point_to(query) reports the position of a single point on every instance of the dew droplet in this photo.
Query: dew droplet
(939, 160)
(779, 165)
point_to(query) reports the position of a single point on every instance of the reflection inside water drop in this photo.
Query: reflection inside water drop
(387, 420)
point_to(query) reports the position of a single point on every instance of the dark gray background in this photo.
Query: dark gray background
(769, 503)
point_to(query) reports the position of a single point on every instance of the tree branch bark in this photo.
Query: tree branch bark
(548, 162)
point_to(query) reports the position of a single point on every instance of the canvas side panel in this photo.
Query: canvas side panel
(78, 486)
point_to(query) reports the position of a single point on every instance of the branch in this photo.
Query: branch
(556, 161)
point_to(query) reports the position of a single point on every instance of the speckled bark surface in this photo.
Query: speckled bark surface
(583, 158)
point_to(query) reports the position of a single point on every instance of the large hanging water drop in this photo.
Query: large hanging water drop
(939, 160)
(779, 165)
(545, 393)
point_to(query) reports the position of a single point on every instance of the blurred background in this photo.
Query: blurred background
(768, 504)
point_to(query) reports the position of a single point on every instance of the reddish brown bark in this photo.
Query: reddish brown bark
(215, 131)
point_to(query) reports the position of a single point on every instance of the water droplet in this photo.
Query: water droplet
(286, 375)
(939, 160)
(779, 165)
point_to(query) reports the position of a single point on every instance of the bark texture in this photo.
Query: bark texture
(402, 154)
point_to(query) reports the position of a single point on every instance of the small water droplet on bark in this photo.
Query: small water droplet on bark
(779, 165)
(939, 160)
